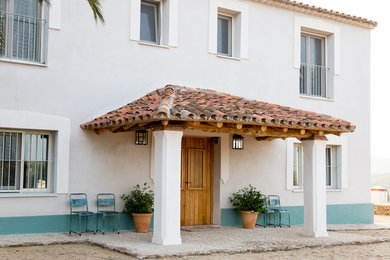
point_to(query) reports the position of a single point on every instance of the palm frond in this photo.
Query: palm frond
(96, 7)
(2, 33)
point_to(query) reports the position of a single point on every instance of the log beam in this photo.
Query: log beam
(100, 131)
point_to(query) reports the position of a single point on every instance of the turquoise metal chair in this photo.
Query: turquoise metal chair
(273, 202)
(79, 208)
(267, 217)
(106, 208)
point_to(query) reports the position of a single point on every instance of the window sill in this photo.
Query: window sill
(327, 190)
(153, 44)
(317, 98)
(297, 191)
(228, 57)
(24, 62)
(26, 195)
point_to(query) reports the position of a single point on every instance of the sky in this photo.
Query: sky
(377, 10)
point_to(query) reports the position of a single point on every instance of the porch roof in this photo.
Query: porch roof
(209, 110)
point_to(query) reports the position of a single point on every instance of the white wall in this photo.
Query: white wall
(93, 69)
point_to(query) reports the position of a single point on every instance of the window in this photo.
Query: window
(150, 25)
(25, 161)
(228, 29)
(23, 29)
(154, 22)
(313, 71)
(332, 168)
(225, 31)
(298, 167)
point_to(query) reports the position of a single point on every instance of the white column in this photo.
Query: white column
(314, 185)
(167, 165)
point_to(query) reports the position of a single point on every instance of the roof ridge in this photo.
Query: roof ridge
(321, 12)
(165, 105)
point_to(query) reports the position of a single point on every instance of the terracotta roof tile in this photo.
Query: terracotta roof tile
(321, 12)
(188, 104)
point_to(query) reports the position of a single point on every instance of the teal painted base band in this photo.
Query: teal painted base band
(58, 224)
(336, 214)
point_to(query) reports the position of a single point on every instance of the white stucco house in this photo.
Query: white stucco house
(292, 80)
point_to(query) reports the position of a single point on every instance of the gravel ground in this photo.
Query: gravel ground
(84, 251)
(223, 241)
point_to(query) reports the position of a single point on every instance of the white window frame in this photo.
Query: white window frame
(22, 160)
(230, 20)
(324, 84)
(157, 24)
(298, 164)
(60, 129)
(333, 59)
(341, 142)
(335, 167)
(44, 14)
(168, 17)
(239, 13)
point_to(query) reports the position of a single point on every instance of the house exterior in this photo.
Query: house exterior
(60, 70)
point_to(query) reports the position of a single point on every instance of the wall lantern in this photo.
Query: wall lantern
(141, 137)
(238, 142)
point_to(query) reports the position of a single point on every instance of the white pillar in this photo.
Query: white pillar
(167, 176)
(314, 185)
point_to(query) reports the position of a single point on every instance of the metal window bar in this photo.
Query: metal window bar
(24, 37)
(2, 160)
(36, 162)
(313, 80)
(9, 160)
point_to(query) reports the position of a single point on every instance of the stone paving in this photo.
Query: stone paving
(203, 242)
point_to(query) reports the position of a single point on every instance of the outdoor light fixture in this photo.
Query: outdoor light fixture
(238, 142)
(141, 137)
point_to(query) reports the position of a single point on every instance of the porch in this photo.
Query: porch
(229, 240)
(174, 112)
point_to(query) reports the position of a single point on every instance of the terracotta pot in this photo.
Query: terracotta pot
(249, 219)
(142, 221)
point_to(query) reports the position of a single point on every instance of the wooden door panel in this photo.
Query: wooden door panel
(196, 181)
(195, 170)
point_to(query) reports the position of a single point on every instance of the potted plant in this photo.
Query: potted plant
(140, 204)
(250, 202)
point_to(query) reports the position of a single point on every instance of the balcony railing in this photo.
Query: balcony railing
(23, 37)
(313, 80)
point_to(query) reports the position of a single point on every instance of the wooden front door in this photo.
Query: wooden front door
(196, 181)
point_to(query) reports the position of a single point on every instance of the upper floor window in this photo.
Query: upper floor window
(225, 31)
(150, 24)
(23, 30)
(313, 72)
(228, 29)
(25, 161)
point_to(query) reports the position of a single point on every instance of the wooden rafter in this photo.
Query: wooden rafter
(261, 132)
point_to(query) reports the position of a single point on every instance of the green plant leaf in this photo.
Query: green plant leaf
(248, 199)
(96, 7)
(140, 200)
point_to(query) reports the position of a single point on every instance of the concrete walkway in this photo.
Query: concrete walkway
(202, 242)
